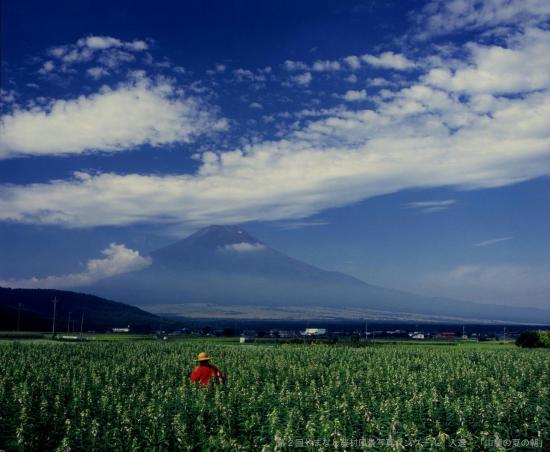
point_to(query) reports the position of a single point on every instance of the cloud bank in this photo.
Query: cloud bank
(118, 259)
(426, 134)
(447, 16)
(141, 111)
(478, 121)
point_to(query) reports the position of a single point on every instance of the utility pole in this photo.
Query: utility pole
(505, 333)
(366, 330)
(18, 316)
(81, 325)
(69, 323)
(54, 301)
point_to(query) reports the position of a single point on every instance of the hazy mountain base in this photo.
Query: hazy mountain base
(212, 294)
(242, 312)
(225, 266)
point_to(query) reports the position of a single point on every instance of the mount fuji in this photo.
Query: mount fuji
(222, 271)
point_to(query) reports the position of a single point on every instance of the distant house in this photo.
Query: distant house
(314, 332)
(416, 335)
(122, 330)
(248, 336)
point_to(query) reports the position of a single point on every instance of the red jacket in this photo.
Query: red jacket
(205, 374)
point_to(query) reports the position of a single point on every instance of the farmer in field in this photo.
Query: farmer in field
(206, 372)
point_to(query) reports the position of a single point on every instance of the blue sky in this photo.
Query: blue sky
(405, 143)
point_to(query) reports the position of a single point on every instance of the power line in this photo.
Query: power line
(81, 325)
(54, 301)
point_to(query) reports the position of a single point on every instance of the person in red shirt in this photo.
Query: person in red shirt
(206, 372)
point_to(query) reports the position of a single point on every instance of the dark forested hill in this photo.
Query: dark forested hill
(36, 308)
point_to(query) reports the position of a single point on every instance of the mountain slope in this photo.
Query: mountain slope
(37, 311)
(224, 265)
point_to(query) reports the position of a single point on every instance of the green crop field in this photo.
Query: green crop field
(136, 396)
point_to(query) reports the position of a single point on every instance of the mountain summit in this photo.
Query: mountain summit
(223, 267)
(217, 236)
(222, 251)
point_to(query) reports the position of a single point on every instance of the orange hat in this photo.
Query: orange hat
(203, 356)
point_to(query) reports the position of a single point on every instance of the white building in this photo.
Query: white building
(416, 335)
(122, 330)
(314, 332)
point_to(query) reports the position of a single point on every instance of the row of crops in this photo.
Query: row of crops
(135, 396)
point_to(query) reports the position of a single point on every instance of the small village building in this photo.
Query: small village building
(122, 330)
(416, 335)
(314, 332)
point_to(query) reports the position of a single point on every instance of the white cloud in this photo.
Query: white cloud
(76, 55)
(302, 79)
(244, 247)
(136, 46)
(418, 133)
(291, 66)
(448, 16)
(389, 60)
(113, 58)
(353, 62)
(97, 72)
(492, 241)
(325, 65)
(7, 96)
(58, 52)
(354, 96)
(432, 206)
(256, 105)
(47, 67)
(522, 66)
(106, 42)
(104, 50)
(99, 42)
(247, 75)
(135, 113)
(417, 136)
(352, 78)
(118, 259)
(379, 81)
(291, 225)
(221, 67)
